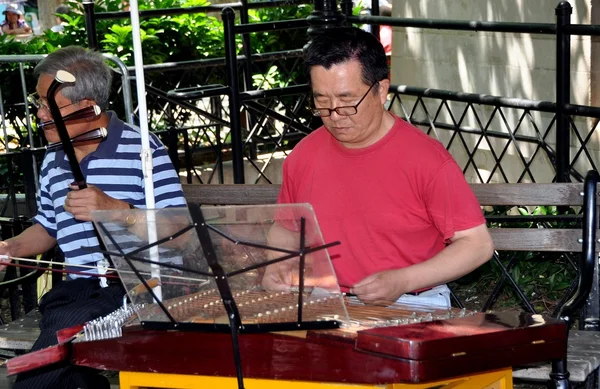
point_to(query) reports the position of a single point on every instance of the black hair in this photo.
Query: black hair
(338, 45)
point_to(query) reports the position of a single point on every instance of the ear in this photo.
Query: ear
(87, 103)
(384, 86)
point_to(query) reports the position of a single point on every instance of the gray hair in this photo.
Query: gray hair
(93, 75)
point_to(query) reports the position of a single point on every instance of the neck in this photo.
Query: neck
(383, 124)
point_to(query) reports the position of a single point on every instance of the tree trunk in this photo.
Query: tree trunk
(46, 13)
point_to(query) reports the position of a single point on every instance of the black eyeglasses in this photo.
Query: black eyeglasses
(347, 110)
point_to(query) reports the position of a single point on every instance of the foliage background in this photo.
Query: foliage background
(176, 38)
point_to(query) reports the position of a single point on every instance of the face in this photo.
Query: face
(66, 107)
(12, 17)
(342, 85)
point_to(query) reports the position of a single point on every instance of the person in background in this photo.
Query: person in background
(60, 22)
(13, 21)
(385, 31)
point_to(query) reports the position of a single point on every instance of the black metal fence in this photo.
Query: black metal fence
(234, 105)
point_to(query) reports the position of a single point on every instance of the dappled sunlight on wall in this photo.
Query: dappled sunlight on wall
(499, 64)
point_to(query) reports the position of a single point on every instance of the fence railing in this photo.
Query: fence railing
(326, 14)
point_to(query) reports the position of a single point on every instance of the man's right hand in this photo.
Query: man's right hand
(278, 277)
(4, 255)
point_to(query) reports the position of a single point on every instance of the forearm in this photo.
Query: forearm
(282, 238)
(164, 225)
(34, 240)
(454, 261)
(16, 31)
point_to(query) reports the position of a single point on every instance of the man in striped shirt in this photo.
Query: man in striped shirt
(112, 168)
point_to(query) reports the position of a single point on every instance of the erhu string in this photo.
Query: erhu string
(86, 267)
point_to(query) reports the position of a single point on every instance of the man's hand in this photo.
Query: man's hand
(278, 277)
(81, 202)
(4, 255)
(382, 288)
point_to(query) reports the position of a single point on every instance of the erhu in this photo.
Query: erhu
(91, 112)
(63, 77)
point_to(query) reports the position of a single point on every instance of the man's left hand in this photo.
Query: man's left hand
(382, 288)
(81, 202)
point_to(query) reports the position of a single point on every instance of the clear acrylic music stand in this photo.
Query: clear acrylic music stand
(253, 268)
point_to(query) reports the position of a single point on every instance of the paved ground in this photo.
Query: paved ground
(7, 382)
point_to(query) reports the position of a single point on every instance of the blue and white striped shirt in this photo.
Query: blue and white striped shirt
(115, 167)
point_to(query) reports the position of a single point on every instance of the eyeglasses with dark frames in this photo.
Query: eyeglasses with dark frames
(347, 110)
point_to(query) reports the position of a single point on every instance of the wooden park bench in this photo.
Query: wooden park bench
(582, 358)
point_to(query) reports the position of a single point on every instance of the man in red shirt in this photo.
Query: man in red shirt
(396, 200)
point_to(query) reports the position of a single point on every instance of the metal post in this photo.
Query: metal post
(217, 111)
(34, 166)
(228, 16)
(247, 48)
(27, 162)
(563, 91)
(90, 24)
(325, 15)
(5, 133)
(375, 12)
(347, 7)
(126, 83)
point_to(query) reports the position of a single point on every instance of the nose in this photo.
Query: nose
(43, 114)
(336, 117)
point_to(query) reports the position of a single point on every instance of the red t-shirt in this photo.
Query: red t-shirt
(385, 37)
(391, 205)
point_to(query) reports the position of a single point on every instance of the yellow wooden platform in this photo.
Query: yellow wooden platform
(498, 379)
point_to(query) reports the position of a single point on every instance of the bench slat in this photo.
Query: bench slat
(536, 239)
(226, 194)
(583, 357)
(529, 194)
(487, 194)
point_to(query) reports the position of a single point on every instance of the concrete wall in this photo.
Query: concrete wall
(512, 65)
